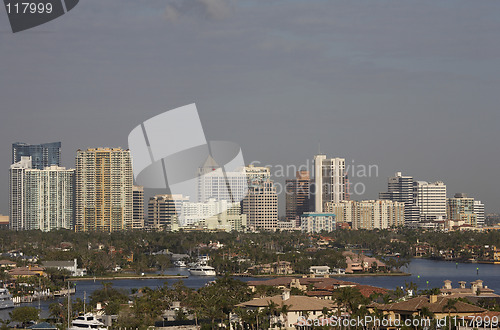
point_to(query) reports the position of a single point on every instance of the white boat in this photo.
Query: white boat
(179, 263)
(87, 321)
(5, 299)
(202, 270)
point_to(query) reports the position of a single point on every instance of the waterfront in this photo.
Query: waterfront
(422, 270)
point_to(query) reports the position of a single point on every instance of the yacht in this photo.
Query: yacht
(179, 263)
(202, 270)
(5, 299)
(87, 321)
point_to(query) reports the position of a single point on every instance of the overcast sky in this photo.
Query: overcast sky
(411, 86)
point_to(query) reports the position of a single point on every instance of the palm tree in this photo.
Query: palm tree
(450, 304)
(285, 309)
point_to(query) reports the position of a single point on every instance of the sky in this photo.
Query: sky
(410, 86)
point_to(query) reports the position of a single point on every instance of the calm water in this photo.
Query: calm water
(435, 272)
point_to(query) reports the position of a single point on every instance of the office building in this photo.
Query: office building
(164, 210)
(330, 181)
(479, 212)
(369, 214)
(311, 222)
(461, 207)
(42, 155)
(137, 207)
(212, 215)
(297, 195)
(400, 189)
(430, 200)
(261, 206)
(214, 183)
(41, 199)
(104, 199)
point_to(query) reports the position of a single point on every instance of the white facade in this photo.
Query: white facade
(41, 199)
(430, 200)
(330, 182)
(479, 211)
(317, 222)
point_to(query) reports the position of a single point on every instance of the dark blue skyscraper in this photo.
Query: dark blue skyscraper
(42, 155)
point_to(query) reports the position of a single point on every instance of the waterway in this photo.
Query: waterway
(425, 273)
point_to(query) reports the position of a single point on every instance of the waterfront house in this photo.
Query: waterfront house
(319, 270)
(412, 308)
(70, 265)
(297, 306)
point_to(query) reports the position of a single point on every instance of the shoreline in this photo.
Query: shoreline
(128, 277)
(321, 276)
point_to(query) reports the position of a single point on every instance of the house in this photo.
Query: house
(27, 271)
(357, 263)
(297, 307)
(71, 266)
(319, 270)
(412, 308)
(279, 267)
(476, 290)
(7, 264)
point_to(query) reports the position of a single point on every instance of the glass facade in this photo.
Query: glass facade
(42, 155)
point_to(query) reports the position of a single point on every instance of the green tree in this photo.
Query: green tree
(24, 314)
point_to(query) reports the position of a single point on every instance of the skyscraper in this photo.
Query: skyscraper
(42, 155)
(297, 195)
(430, 200)
(214, 183)
(400, 189)
(330, 181)
(479, 211)
(41, 199)
(163, 211)
(261, 206)
(103, 190)
(138, 207)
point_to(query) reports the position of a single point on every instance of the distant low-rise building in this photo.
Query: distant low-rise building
(317, 222)
(70, 265)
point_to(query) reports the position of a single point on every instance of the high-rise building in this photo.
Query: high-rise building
(214, 183)
(138, 207)
(461, 207)
(330, 181)
(212, 215)
(261, 206)
(369, 214)
(297, 195)
(400, 189)
(104, 199)
(479, 211)
(430, 200)
(164, 210)
(311, 222)
(42, 155)
(41, 199)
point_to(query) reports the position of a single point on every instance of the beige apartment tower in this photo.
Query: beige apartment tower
(103, 190)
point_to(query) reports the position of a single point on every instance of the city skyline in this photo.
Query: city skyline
(407, 86)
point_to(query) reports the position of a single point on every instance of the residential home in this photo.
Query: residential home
(7, 264)
(297, 306)
(412, 308)
(70, 265)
